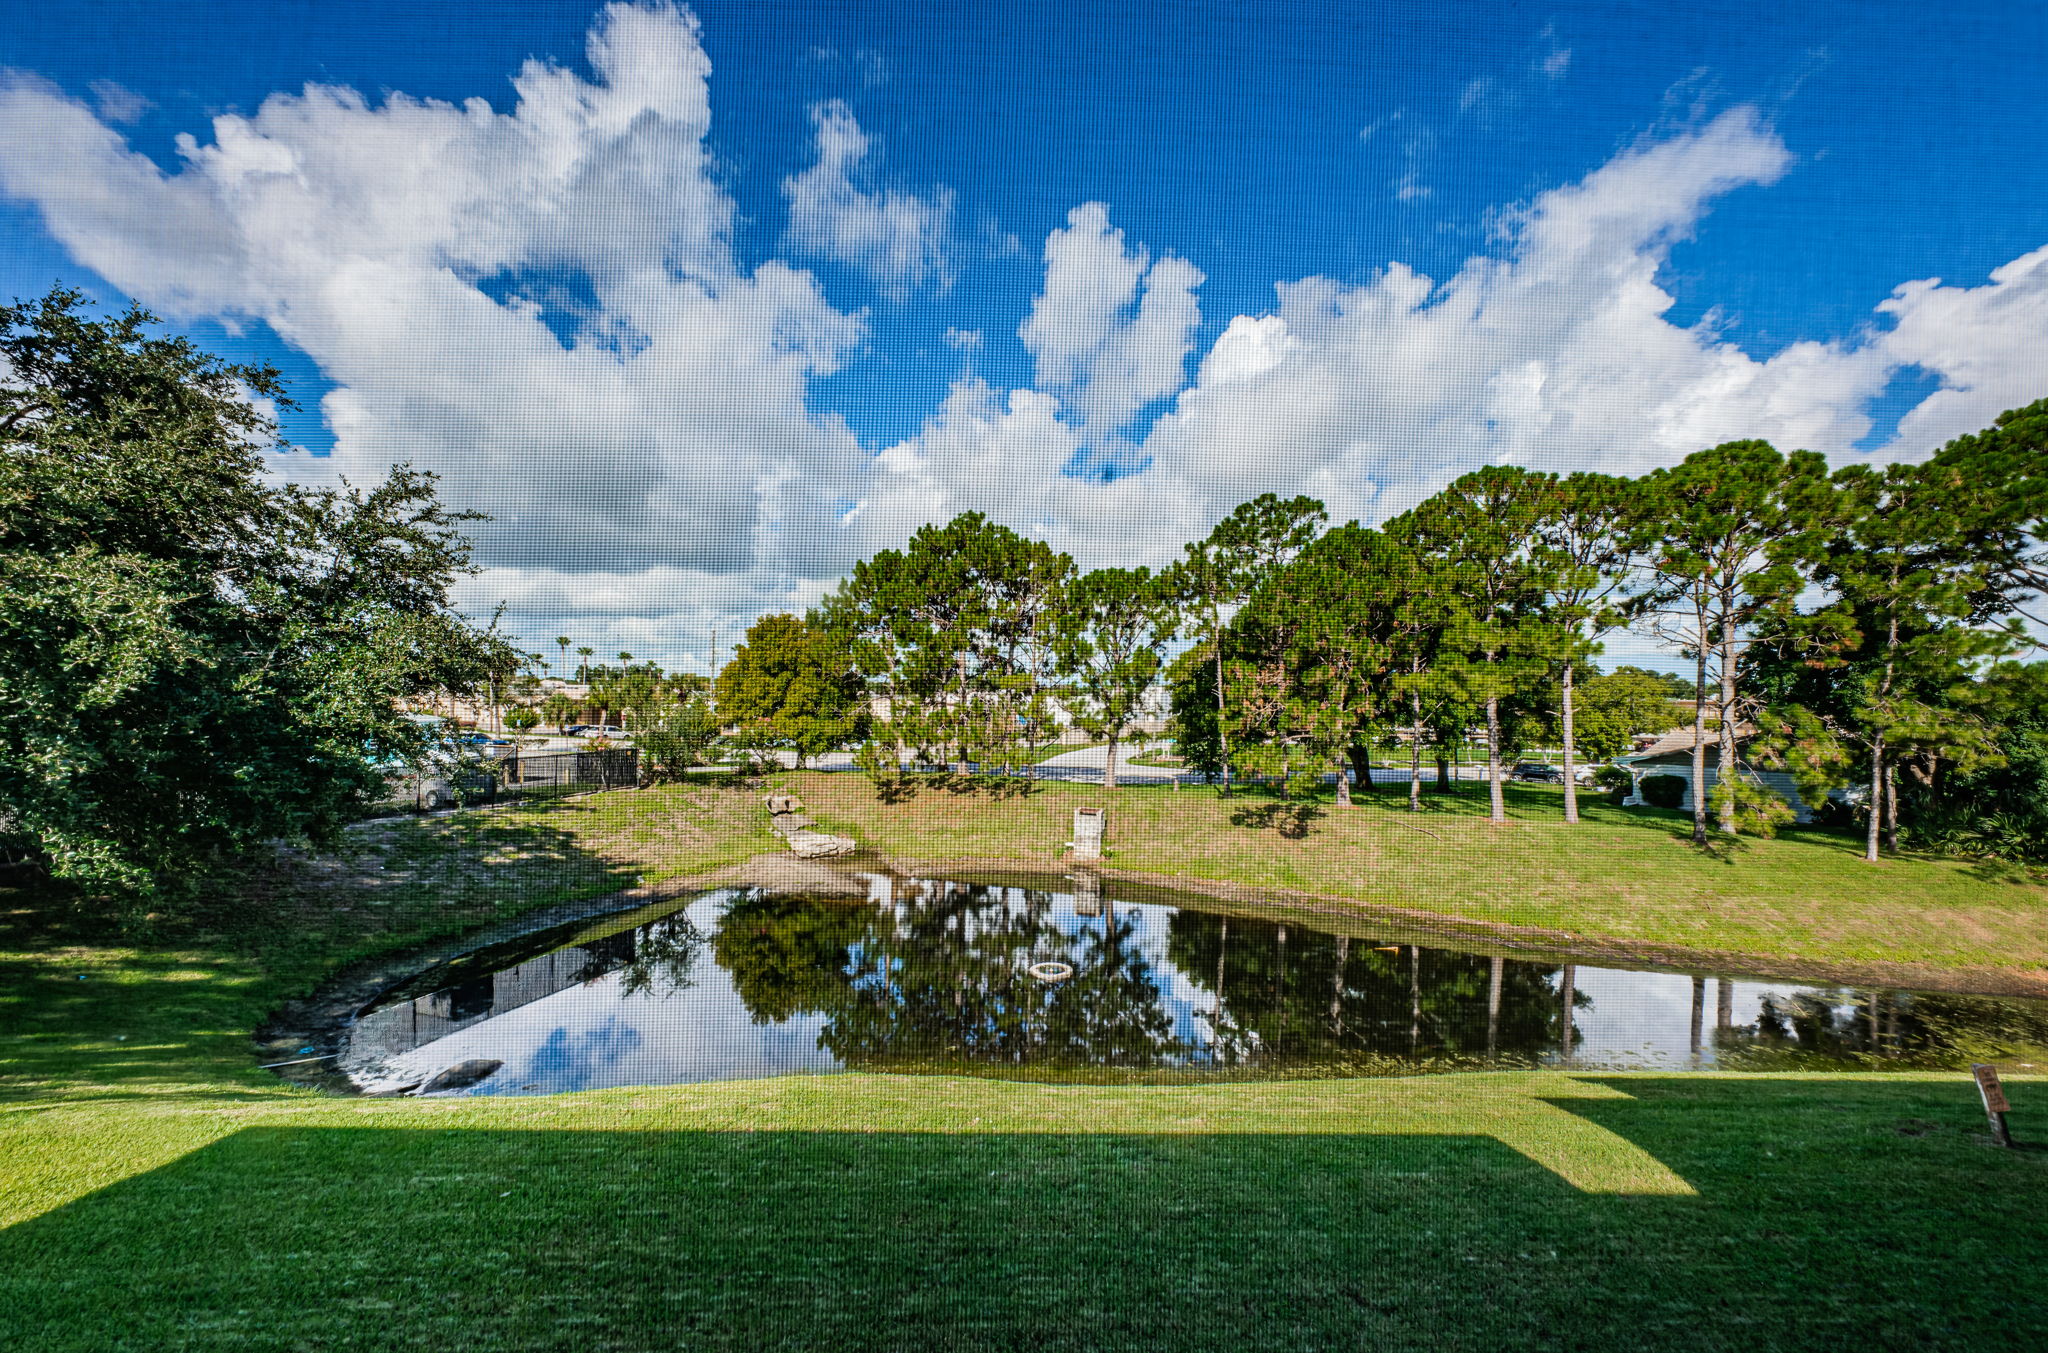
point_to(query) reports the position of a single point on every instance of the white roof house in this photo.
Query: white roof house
(1671, 754)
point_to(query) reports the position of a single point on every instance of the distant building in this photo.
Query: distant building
(1671, 754)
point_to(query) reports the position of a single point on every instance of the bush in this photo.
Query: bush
(679, 737)
(1613, 781)
(520, 719)
(1662, 791)
(1759, 811)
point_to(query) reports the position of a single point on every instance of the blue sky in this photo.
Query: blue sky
(1643, 228)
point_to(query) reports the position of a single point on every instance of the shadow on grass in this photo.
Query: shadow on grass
(87, 1011)
(1290, 818)
(995, 788)
(1819, 1222)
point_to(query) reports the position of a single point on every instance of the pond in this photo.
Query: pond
(936, 976)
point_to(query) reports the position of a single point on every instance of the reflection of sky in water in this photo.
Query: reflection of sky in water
(600, 1033)
(1646, 1017)
(596, 1034)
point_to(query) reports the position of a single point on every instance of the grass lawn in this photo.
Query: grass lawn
(159, 1192)
(1623, 874)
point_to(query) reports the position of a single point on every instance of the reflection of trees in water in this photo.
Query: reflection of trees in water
(1294, 995)
(1926, 1027)
(660, 956)
(942, 974)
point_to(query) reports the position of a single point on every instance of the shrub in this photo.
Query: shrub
(679, 737)
(1613, 781)
(520, 719)
(1759, 811)
(1662, 791)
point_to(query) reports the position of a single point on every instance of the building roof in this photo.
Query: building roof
(1680, 740)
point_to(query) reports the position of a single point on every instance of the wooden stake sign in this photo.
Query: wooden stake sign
(1995, 1105)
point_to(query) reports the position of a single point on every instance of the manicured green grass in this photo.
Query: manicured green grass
(1628, 875)
(157, 1191)
(1509, 1211)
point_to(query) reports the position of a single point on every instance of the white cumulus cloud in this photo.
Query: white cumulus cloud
(420, 252)
(901, 240)
(1112, 327)
(544, 305)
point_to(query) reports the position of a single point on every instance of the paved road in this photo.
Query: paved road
(1097, 760)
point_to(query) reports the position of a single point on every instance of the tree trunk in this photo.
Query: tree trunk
(1222, 728)
(1727, 758)
(1361, 765)
(1571, 781)
(1337, 984)
(1499, 812)
(1343, 785)
(1699, 1010)
(1443, 769)
(1494, 970)
(1876, 823)
(1414, 1000)
(1280, 984)
(1109, 766)
(1891, 807)
(1415, 756)
(1699, 745)
(1222, 953)
(1567, 996)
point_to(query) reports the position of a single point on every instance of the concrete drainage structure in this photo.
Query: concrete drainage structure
(1088, 831)
(786, 818)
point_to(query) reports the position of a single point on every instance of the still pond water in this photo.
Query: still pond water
(934, 976)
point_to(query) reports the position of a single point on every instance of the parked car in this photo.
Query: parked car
(1537, 772)
(591, 730)
(482, 740)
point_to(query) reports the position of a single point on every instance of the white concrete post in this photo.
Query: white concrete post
(1088, 826)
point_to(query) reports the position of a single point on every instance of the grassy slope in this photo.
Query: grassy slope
(1622, 874)
(156, 1191)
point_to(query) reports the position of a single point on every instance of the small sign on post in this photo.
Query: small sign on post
(1995, 1105)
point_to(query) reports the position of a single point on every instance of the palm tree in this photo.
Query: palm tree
(624, 658)
(562, 642)
(583, 671)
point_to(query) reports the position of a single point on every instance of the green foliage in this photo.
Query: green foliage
(681, 735)
(193, 661)
(1726, 536)
(791, 684)
(1613, 780)
(1218, 574)
(957, 633)
(1662, 791)
(1483, 539)
(1192, 722)
(1112, 628)
(522, 718)
(1613, 707)
(1310, 658)
(558, 709)
(1754, 808)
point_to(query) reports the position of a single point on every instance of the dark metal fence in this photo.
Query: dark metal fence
(486, 780)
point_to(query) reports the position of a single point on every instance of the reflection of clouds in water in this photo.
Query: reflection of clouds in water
(597, 1035)
(1647, 1016)
(669, 1022)
(575, 1058)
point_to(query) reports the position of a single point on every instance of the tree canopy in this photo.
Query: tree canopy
(194, 659)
